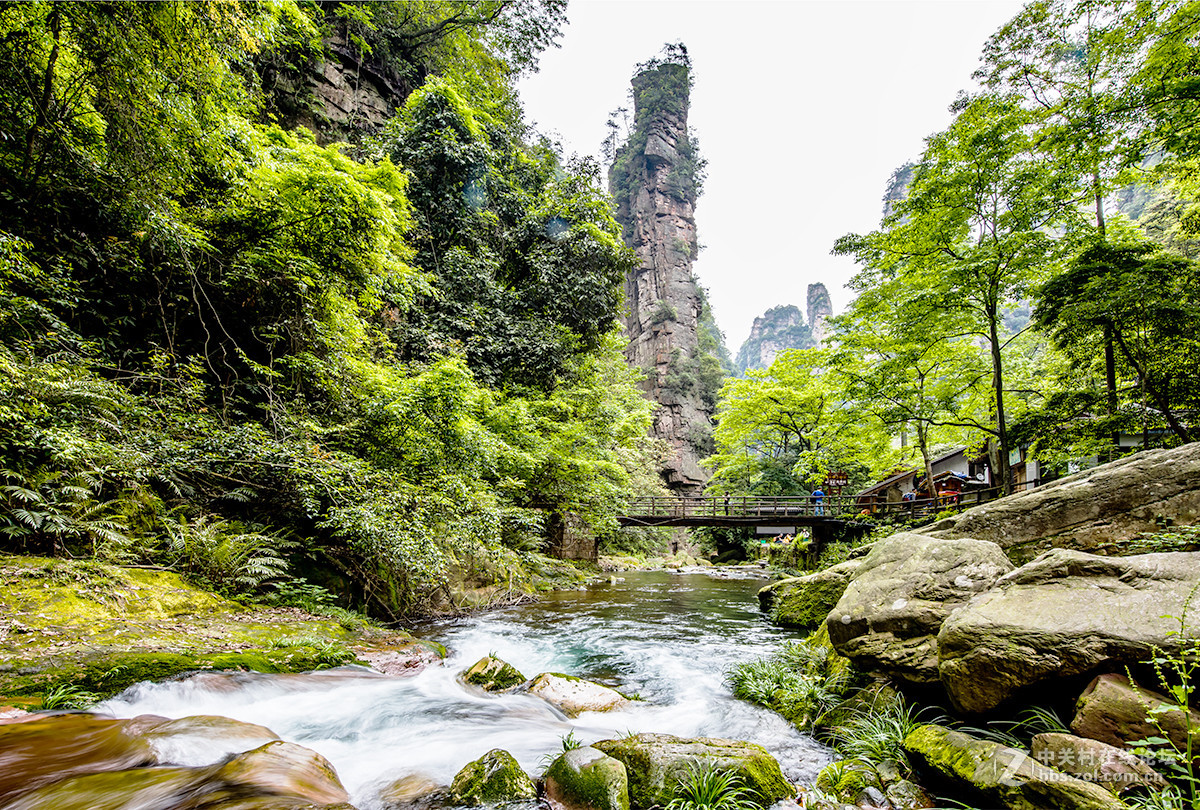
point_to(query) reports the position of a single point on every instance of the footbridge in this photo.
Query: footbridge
(786, 513)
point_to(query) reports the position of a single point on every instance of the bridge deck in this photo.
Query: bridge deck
(737, 511)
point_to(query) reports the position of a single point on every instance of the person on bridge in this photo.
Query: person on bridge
(818, 497)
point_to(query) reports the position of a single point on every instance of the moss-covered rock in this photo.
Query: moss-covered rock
(492, 675)
(998, 774)
(587, 779)
(656, 762)
(492, 779)
(848, 780)
(804, 602)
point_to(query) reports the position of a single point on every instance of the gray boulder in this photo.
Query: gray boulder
(1066, 613)
(889, 616)
(574, 696)
(587, 779)
(1101, 763)
(1000, 774)
(657, 762)
(1115, 711)
(805, 601)
(1093, 510)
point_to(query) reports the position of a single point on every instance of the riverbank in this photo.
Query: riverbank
(72, 632)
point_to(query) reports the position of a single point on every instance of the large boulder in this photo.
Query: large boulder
(890, 614)
(1066, 613)
(574, 696)
(494, 778)
(804, 602)
(277, 776)
(1101, 763)
(1115, 711)
(492, 675)
(47, 749)
(587, 779)
(999, 775)
(285, 769)
(1091, 511)
(657, 762)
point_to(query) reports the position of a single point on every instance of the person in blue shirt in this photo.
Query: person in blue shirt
(818, 501)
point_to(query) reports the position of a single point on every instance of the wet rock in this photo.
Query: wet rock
(574, 696)
(587, 779)
(999, 774)
(804, 602)
(492, 675)
(139, 789)
(890, 614)
(1093, 510)
(850, 781)
(656, 762)
(56, 747)
(286, 769)
(493, 778)
(1114, 711)
(905, 795)
(1066, 613)
(202, 739)
(415, 792)
(1114, 768)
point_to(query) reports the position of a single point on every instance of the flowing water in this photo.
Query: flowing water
(666, 637)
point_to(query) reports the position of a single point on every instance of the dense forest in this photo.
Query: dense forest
(379, 361)
(380, 355)
(1033, 286)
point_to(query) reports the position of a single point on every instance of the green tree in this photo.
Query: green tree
(781, 429)
(972, 234)
(1146, 300)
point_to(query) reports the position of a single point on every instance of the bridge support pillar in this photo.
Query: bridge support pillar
(568, 539)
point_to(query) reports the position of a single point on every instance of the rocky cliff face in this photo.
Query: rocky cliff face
(776, 330)
(820, 309)
(654, 180)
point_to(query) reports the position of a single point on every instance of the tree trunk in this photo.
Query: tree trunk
(41, 114)
(1002, 467)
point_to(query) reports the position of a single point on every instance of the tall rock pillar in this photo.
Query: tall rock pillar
(654, 180)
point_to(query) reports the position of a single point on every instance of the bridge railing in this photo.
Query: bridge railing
(784, 506)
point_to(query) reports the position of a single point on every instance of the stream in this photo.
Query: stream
(666, 637)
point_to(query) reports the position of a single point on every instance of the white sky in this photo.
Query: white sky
(802, 109)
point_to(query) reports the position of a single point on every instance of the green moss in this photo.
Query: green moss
(847, 779)
(494, 778)
(588, 777)
(807, 602)
(492, 675)
(639, 766)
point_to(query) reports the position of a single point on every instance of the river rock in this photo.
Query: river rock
(1115, 711)
(656, 762)
(849, 780)
(1006, 776)
(1093, 510)
(415, 791)
(286, 769)
(492, 675)
(587, 779)
(493, 778)
(574, 696)
(1106, 765)
(1066, 613)
(804, 602)
(890, 614)
(203, 739)
(56, 747)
